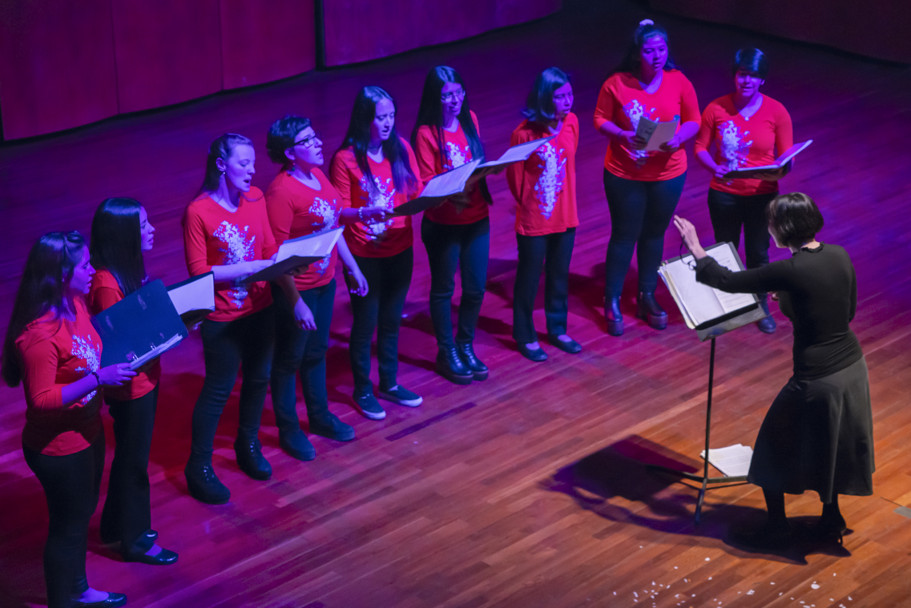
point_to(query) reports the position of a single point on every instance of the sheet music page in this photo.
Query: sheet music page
(732, 461)
(697, 302)
(727, 257)
(312, 245)
(194, 295)
(449, 183)
(656, 133)
(519, 152)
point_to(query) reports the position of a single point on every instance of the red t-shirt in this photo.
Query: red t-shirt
(384, 239)
(544, 186)
(54, 353)
(744, 142)
(457, 153)
(105, 293)
(623, 101)
(214, 236)
(297, 210)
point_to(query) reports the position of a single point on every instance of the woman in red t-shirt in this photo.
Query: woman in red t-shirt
(642, 186)
(53, 350)
(544, 187)
(456, 233)
(301, 201)
(226, 231)
(741, 130)
(121, 232)
(373, 172)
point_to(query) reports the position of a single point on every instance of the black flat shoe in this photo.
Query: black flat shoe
(164, 557)
(567, 346)
(613, 317)
(537, 354)
(830, 529)
(647, 308)
(204, 485)
(112, 601)
(767, 325)
(478, 370)
(250, 459)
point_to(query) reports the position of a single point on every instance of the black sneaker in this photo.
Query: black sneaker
(297, 445)
(402, 396)
(369, 406)
(205, 486)
(329, 426)
(250, 459)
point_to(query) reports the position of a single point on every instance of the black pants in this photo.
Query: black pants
(381, 309)
(244, 343)
(731, 212)
(71, 484)
(127, 512)
(553, 252)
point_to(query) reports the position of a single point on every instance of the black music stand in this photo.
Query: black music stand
(691, 299)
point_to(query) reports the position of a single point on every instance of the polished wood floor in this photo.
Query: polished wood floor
(527, 489)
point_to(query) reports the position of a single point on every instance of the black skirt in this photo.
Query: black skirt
(818, 435)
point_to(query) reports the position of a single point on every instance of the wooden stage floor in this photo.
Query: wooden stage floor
(527, 489)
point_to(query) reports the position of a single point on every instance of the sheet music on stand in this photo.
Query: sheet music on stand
(711, 312)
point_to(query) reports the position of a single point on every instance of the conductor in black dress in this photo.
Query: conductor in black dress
(818, 433)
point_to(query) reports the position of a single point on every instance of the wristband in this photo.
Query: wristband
(360, 214)
(97, 377)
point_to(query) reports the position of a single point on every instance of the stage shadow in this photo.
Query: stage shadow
(620, 484)
(21, 572)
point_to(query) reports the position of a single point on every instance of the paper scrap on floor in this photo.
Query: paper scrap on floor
(732, 461)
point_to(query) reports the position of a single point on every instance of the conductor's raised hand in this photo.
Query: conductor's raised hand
(688, 234)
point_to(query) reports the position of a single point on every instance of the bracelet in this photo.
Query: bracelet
(360, 214)
(97, 377)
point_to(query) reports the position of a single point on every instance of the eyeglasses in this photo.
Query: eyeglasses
(458, 94)
(307, 142)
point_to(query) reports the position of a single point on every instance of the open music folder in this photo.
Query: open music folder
(294, 253)
(708, 310)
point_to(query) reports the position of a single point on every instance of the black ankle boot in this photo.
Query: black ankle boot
(648, 309)
(451, 366)
(477, 368)
(250, 459)
(204, 485)
(613, 317)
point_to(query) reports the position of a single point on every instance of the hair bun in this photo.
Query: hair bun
(645, 22)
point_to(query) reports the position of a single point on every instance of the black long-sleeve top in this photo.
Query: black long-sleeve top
(817, 291)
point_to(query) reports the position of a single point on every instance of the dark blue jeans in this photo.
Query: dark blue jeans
(300, 352)
(465, 247)
(640, 214)
(731, 212)
(127, 512)
(71, 484)
(244, 343)
(553, 252)
(380, 310)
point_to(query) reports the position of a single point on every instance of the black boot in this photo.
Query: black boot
(204, 485)
(451, 366)
(477, 368)
(613, 317)
(648, 309)
(250, 459)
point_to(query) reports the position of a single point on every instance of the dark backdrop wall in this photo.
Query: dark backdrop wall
(64, 64)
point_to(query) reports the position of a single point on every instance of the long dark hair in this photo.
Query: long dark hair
(281, 137)
(540, 107)
(632, 62)
(47, 274)
(220, 148)
(358, 137)
(430, 112)
(116, 244)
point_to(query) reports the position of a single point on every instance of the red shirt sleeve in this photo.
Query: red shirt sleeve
(39, 369)
(194, 240)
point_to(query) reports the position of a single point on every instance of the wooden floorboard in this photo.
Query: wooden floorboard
(527, 489)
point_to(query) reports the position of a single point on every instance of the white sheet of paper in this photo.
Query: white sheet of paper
(732, 461)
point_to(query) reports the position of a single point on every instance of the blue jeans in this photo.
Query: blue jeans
(730, 212)
(553, 252)
(465, 247)
(380, 310)
(127, 512)
(640, 214)
(71, 484)
(300, 352)
(244, 343)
